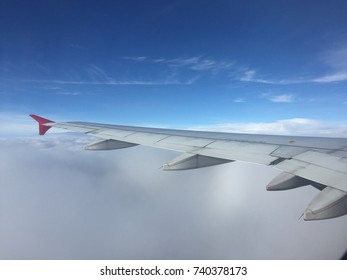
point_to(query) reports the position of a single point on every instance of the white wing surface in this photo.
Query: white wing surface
(316, 161)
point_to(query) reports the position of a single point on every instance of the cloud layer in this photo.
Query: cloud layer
(295, 126)
(61, 202)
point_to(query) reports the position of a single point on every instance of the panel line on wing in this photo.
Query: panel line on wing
(163, 138)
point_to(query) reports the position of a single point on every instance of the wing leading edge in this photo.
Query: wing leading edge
(320, 162)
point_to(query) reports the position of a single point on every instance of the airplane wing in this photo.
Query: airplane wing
(316, 161)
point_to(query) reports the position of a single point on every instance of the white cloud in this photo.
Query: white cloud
(136, 58)
(114, 82)
(196, 63)
(336, 57)
(331, 78)
(336, 60)
(98, 76)
(69, 93)
(239, 100)
(283, 98)
(16, 125)
(241, 73)
(75, 46)
(250, 75)
(295, 126)
(200, 64)
(69, 203)
(95, 75)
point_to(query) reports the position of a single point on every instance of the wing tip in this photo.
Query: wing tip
(42, 123)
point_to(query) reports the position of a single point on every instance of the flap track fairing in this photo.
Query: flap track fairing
(109, 144)
(192, 161)
(287, 181)
(329, 203)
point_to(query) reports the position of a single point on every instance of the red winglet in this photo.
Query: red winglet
(42, 121)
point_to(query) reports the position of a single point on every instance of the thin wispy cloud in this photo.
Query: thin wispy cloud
(71, 93)
(196, 63)
(336, 57)
(198, 67)
(251, 76)
(332, 78)
(283, 98)
(95, 75)
(75, 46)
(200, 64)
(278, 98)
(51, 87)
(338, 74)
(336, 60)
(98, 76)
(239, 100)
(121, 83)
(136, 58)
(329, 78)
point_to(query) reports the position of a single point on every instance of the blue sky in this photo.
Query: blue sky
(174, 63)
